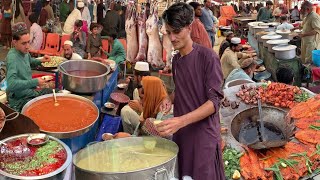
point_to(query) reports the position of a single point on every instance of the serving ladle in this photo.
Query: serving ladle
(55, 98)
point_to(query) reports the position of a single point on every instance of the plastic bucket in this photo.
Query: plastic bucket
(316, 57)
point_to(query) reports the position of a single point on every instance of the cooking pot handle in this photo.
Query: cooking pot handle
(161, 171)
(14, 115)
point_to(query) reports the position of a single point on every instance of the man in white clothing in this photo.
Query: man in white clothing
(75, 15)
(68, 51)
(284, 24)
(130, 113)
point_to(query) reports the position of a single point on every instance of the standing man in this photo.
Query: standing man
(196, 124)
(49, 9)
(64, 10)
(265, 13)
(310, 32)
(75, 15)
(208, 21)
(198, 32)
(21, 86)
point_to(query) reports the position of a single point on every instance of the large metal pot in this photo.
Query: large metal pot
(265, 38)
(70, 134)
(276, 42)
(164, 171)
(285, 52)
(284, 34)
(257, 29)
(237, 82)
(81, 84)
(58, 174)
(251, 24)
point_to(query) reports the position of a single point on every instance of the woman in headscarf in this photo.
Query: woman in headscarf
(153, 92)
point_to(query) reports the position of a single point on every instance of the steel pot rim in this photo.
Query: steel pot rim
(84, 77)
(51, 174)
(67, 134)
(108, 173)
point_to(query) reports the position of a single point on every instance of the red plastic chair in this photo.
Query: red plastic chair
(63, 39)
(36, 52)
(124, 43)
(52, 45)
(105, 46)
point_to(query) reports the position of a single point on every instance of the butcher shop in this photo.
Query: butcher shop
(169, 90)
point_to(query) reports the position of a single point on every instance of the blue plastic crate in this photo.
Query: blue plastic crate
(109, 124)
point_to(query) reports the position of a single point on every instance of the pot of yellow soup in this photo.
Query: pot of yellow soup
(133, 158)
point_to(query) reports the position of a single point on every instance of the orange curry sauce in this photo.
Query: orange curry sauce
(71, 114)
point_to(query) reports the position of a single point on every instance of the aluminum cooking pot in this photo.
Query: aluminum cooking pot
(70, 134)
(257, 29)
(84, 84)
(285, 52)
(58, 174)
(276, 42)
(163, 171)
(251, 24)
(285, 34)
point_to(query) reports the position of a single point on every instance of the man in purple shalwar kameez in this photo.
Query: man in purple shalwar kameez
(198, 78)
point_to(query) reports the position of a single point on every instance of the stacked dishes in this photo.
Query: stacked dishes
(265, 38)
(276, 42)
(251, 25)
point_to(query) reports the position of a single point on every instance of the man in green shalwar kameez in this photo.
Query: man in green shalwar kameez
(21, 87)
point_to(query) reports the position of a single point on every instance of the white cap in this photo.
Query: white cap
(68, 43)
(80, 4)
(235, 40)
(141, 66)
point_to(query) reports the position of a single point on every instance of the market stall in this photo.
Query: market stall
(286, 148)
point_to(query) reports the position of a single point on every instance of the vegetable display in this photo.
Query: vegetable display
(231, 163)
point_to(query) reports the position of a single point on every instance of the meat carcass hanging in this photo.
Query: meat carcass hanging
(167, 45)
(155, 47)
(143, 39)
(131, 30)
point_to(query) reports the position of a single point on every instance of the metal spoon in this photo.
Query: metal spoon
(261, 120)
(55, 98)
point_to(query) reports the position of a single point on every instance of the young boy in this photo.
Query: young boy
(94, 41)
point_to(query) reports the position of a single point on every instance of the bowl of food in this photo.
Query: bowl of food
(37, 139)
(109, 105)
(122, 85)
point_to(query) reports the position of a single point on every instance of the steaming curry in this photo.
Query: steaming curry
(71, 114)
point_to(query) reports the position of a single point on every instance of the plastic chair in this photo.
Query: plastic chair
(124, 43)
(105, 46)
(63, 39)
(52, 44)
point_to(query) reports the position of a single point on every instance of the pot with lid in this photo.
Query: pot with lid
(276, 42)
(127, 159)
(251, 24)
(265, 38)
(257, 29)
(284, 33)
(285, 52)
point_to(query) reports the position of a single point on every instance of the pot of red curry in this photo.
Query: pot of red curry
(48, 161)
(74, 116)
(84, 76)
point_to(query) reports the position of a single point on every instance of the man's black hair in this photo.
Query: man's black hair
(285, 75)
(283, 18)
(17, 36)
(142, 73)
(179, 15)
(78, 23)
(195, 5)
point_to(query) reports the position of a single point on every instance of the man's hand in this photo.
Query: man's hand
(46, 58)
(170, 126)
(41, 81)
(301, 35)
(165, 105)
(135, 105)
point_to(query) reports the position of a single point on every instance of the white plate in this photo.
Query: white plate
(278, 41)
(284, 48)
(271, 37)
(283, 32)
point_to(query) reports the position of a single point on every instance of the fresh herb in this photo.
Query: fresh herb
(314, 127)
(302, 97)
(231, 158)
(276, 169)
(304, 155)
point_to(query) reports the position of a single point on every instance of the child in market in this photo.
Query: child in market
(94, 41)
(78, 38)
